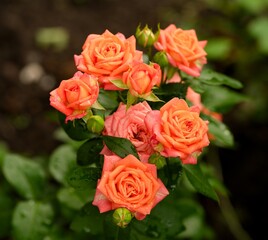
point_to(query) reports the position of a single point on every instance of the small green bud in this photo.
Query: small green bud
(161, 59)
(95, 124)
(145, 37)
(158, 160)
(122, 217)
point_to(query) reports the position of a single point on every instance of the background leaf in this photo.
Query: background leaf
(88, 220)
(32, 220)
(6, 211)
(26, 176)
(83, 178)
(74, 199)
(61, 162)
(199, 181)
(211, 77)
(221, 99)
(221, 135)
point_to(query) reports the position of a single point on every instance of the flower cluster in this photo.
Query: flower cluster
(140, 96)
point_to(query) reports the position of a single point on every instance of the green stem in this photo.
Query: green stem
(116, 237)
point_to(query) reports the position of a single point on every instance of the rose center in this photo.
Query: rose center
(187, 126)
(71, 93)
(109, 51)
(139, 135)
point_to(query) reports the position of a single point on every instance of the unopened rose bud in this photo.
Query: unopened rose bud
(157, 160)
(145, 37)
(161, 59)
(122, 217)
(95, 124)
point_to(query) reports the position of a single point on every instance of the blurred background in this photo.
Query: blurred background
(39, 38)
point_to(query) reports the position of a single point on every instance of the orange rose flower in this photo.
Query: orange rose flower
(183, 49)
(107, 56)
(179, 130)
(141, 77)
(129, 183)
(75, 96)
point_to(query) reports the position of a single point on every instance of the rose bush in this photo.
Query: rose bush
(129, 183)
(137, 136)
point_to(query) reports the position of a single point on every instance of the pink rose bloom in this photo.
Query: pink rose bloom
(107, 56)
(130, 124)
(183, 49)
(180, 130)
(195, 99)
(129, 183)
(75, 96)
(175, 79)
(141, 78)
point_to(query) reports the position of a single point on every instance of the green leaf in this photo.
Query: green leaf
(258, 29)
(112, 230)
(88, 220)
(32, 220)
(61, 162)
(74, 199)
(211, 77)
(120, 146)
(119, 83)
(26, 176)
(130, 99)
(221, 99)
(222, 136)
(218, 48)
(3, 152)
(89, 152)
(199, 181)
(76, 129)
(171, 172)
(169, 217)
(196, 85)
(168, 91)
(152, 98)
(83, 178)
(253, 7)
(108, 99)
(147, 229)
(97, 105)
(6, 210)
(193, 218)
(55, 37)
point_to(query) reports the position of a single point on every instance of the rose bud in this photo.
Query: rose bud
(145, 37)
(122, 217)
(95, 124)
(161, 59)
